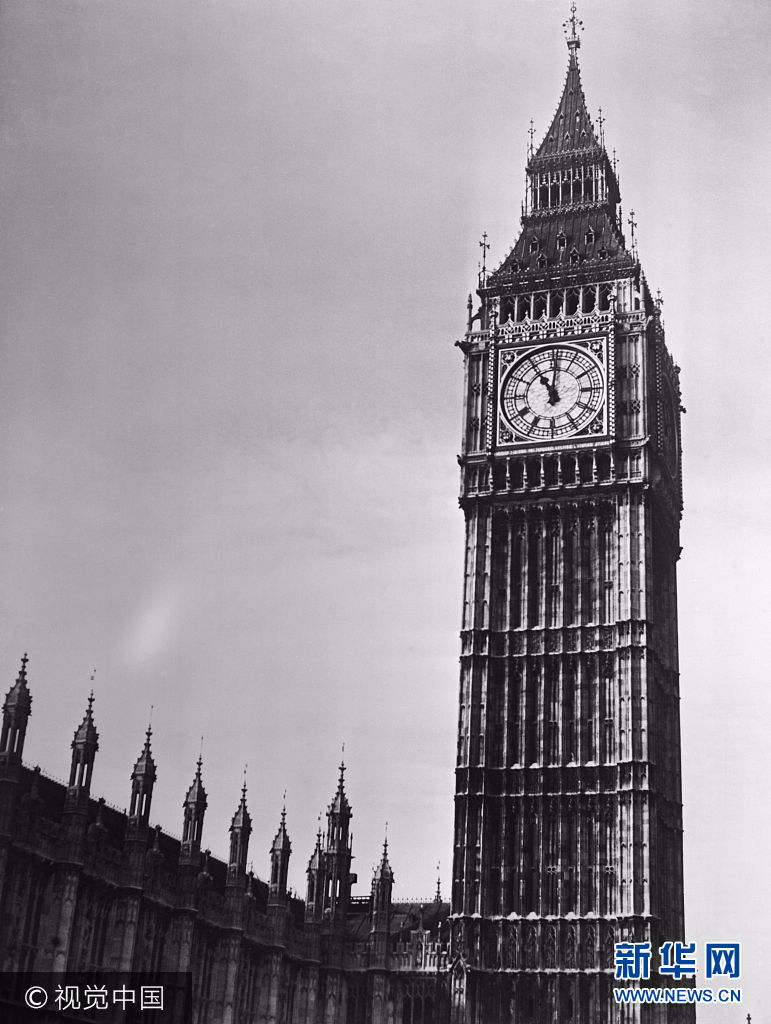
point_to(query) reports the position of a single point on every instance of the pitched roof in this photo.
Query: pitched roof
(571, 127)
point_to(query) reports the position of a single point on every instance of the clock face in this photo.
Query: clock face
(553, 392)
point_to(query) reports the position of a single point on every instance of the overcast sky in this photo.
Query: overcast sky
(238, 239)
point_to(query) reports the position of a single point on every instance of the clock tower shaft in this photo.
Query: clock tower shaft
(568, 819)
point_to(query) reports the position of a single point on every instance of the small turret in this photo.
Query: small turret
(314, 900)
(16, 711)
(382, 886)
(142, 782)
(85, 744)
(279, 863)
(337, 855)
(194, 809)
(240, 830)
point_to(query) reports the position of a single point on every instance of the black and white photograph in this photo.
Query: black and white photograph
(383, 511)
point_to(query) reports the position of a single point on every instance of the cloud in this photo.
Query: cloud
(155, 626)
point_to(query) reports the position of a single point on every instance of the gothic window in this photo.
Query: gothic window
(561, 240)
(572, 298)
(556, 301)
(574, 257)
(542, 261)
(590, 237)
(603, 253)
(588, 300)
(523, 307)
(606, 290)
(540, 299)
(534, 244)
(543, 195)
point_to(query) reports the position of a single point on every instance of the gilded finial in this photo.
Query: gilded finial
(576, 25)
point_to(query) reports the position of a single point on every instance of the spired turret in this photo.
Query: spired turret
(240, 831)
(194, 808)
(329, 871)
(16, 711)
(280, 851)
(338, 855)
(85, 744)
(142, 781)
(314, 897)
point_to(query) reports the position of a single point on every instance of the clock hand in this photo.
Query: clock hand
(553, 393)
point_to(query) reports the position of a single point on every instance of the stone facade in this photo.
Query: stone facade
(85, 887)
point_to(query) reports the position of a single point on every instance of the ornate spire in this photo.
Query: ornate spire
(242, 819)
(18, 698)
(340, 803)
(571, 127)
(281, 842)
(196, 795)
(86, 735)
(145, 765)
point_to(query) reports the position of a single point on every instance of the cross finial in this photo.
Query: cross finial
(484, 245)
(575, 25)
(632, 227)
(531, 133)
(601, 122)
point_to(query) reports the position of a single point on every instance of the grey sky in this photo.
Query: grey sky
(237, 243)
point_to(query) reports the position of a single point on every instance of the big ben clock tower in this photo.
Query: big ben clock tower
(568, 822)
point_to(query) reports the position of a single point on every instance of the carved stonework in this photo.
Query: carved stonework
(550, 947)
(513, 946)
(531, 951)
(570, 948)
